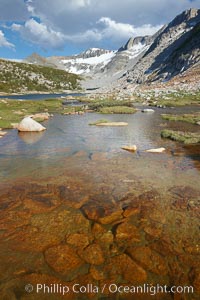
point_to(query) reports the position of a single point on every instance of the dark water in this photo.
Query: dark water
(39, 96)
(72, 188)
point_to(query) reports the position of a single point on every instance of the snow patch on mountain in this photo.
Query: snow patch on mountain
(104, 58)
(88, 61)
(73, 65)
(136, 50)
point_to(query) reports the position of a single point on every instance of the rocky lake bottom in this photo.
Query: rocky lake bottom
(76, 209)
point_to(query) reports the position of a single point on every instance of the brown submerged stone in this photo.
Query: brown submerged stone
(103, 236)
(72, 196)
(123, 265)
(106, 239)
(40, 206)
(193, 249)
(79, 240)
(195, 278)
(98, 272)
(127, 232)
(48, 229)
(92, 212)
(104, 214)
(131, 211)
(98, 230)
(153, 230)
(93, 255)
(149, 259)
(111, 217)
(63, 259)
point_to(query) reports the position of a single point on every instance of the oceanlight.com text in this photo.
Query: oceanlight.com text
(111, 288)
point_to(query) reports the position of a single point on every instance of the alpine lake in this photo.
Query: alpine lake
(77, 210)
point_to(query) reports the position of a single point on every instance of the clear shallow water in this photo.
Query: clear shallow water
(48, 179)
(67, 135)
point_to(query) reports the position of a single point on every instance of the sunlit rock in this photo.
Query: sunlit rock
(41, 116)
(112, 124)
(147, 110)
(2, 133)
(28, 124)
(157, 150)
(132, 148)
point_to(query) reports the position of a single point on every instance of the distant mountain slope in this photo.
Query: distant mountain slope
(163, 58)
(186, 55)
(124, 59)
(22, 77)
(36, 59)
(88, 62)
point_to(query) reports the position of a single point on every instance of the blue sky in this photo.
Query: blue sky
(65, 27)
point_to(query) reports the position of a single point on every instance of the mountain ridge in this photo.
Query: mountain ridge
(156, 63)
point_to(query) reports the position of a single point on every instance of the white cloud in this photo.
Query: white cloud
(40, 34)
(118, 31)
(77, 20)
(113, 29)
(4, 42)
(146, 29)
(91, 22)
(110, 29)
(46, 37)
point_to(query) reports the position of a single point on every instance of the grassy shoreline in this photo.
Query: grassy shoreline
(13, 111)
(189, 118)
(180, 136)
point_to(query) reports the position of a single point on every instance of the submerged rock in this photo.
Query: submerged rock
(127, 233)
(93, 255)
(79, 240)
(63, 259)
(28, 124)
(101, 213)
(124, 266)
(149, 259)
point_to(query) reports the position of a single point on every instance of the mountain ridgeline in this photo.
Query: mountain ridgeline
(173, 50)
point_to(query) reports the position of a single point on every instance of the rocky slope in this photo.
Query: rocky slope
(175, 49)
(125, 58)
